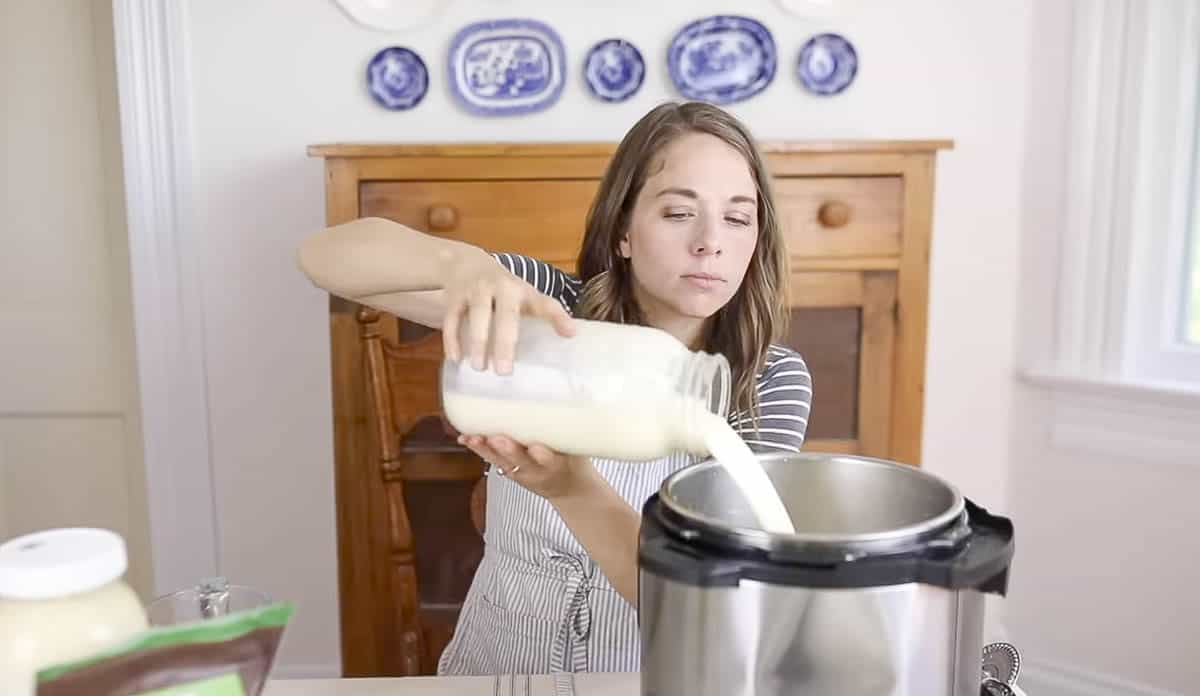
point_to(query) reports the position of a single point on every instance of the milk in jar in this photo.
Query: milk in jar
(615, 391)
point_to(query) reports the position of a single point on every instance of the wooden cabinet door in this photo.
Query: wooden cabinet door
(843, 324)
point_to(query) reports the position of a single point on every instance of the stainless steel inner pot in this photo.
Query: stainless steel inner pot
(838, 504)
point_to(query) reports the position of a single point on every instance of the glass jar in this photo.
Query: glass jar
(615, 391)
(62, 598)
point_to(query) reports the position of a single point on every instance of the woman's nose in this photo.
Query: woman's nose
(707, 240)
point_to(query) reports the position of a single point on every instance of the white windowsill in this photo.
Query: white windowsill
(1142, 422)
(1169, 394)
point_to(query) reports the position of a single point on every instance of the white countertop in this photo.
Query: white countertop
(505, 685)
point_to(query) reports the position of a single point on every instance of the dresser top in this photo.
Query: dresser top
(604, 149)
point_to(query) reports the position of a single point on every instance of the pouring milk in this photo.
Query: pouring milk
(616, 391)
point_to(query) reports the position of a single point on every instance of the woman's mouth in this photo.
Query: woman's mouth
(704, 281)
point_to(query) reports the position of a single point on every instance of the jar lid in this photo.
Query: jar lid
(60, 562)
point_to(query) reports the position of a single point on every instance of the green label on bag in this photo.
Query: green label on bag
(228, 685)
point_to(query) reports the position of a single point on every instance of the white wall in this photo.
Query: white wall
(70, 439)
(272, 77)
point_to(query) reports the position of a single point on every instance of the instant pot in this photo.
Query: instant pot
(879, 592)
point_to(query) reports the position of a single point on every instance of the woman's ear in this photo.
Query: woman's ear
(624, 248)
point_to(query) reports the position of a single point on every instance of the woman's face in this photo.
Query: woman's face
(693, 229)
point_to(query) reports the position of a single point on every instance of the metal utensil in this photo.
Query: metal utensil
(1002, 662)
(1001, 665)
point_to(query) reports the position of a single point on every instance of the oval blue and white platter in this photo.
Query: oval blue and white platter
(507, 67)
(722, 59)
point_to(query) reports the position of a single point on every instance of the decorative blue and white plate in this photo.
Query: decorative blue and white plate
(507, 66)
(828, 64)
(722, 59)
(397, 78)
(614, 70)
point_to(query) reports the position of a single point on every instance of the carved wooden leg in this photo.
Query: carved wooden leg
(404, 576)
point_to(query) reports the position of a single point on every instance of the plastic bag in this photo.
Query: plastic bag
(226, 656)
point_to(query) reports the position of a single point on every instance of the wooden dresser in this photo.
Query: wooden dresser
(857, 217)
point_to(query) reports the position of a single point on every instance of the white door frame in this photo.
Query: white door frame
(153, 78)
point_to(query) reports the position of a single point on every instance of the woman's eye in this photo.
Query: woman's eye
(677, 214)
(744, 222)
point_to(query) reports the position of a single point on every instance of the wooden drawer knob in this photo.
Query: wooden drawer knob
(833, 214)
(442, 217)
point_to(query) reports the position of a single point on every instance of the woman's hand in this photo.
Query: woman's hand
(492, 301)
(554, 476)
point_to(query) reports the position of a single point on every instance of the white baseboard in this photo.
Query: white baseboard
(1041, 678)
(310, 671)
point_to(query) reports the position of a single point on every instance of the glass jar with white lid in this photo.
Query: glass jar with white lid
(62, 597)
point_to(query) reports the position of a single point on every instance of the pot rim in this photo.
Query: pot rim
(692, 524)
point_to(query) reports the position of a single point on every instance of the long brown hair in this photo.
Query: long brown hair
(745, 327)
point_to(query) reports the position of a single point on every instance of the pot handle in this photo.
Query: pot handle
(983, 562)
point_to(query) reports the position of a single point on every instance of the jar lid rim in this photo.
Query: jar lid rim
(57, 563)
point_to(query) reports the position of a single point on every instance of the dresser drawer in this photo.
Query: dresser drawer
(821, 217)
(542, 219)
(841, 217)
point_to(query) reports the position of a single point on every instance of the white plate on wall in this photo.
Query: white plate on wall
(391, 15)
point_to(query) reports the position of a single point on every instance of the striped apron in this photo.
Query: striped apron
(538, 603)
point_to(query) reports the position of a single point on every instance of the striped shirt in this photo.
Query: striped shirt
(538, 603)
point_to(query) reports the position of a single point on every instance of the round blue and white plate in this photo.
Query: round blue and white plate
(614, 70)
(828, 64)
(397, 78)
(722, 59)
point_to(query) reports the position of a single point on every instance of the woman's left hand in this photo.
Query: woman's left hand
(550, 474)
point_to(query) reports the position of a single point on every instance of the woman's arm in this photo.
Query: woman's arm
(389, 266)
(785, 398)
(441, 283)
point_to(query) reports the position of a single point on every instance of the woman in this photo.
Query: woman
(683, 236)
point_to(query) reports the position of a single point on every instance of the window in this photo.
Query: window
(1128, 309)
(1118, 353)
(1163, 347)
(1190, 298)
